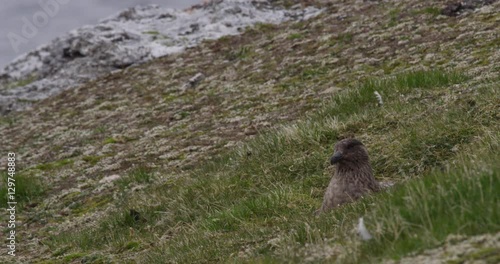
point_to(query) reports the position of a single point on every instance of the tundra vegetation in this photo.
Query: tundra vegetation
(232, 170)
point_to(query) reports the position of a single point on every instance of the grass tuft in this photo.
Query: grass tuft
(139, 175)
(27, 188)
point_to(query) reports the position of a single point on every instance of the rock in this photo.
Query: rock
(456, 8)
(250, 130)
(193, 82)
(386, 184)
(362, 231)
(131, 37)
(110, 178)
(330, 90)
(430, 57)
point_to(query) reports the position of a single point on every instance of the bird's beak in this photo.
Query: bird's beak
(336, 157)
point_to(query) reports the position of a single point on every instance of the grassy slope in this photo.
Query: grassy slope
(258, 201)
(436, 135)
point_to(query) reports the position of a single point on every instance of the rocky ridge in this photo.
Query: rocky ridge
(130, 37)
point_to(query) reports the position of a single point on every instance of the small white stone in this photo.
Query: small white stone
(363, 232)
(110, 178)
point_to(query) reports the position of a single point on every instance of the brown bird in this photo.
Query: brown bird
(353, 176)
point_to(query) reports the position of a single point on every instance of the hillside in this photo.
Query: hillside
(144, 165)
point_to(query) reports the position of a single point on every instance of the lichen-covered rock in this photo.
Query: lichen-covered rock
(133, 36)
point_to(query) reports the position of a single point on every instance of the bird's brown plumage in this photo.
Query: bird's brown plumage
(353, 176)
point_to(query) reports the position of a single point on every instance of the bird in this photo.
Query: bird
(352, 177)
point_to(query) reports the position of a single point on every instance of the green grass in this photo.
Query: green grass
(136, 176)
(295, 36)
(8, 120)
(462, 200)
(394, 17)
(264, 27)
(109, 140)
(28, 80)
(344, 38)
(92, 159)
(257, 200)
(27, 188)
(243, 52)
(90, 205)
(358, 99)
(72, 257)
(54, 165)
(434, 11)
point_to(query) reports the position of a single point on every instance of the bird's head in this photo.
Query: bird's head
(349, 151)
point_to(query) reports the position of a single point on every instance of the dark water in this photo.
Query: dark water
(67, 15)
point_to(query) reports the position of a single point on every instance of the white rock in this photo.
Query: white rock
(133, 36)
(110, 178)
(362, 231)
